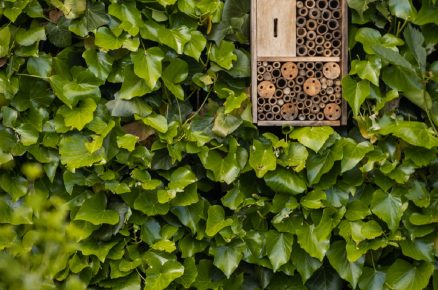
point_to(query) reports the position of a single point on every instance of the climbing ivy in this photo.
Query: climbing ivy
(128, 159)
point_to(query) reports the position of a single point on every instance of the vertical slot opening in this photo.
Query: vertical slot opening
(275, 27)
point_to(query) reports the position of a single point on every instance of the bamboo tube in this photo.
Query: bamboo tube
(269, 68)
(322, 4)
(302, 73)
(319, 65)
(327, 52)
(293, 95)
(300, 41)
(300, 4)
(338, 83)
(261, 117)
(322, 105)
(286, 91)
(276, 109)
(300, 80)
(310, 65)
(267, 76)
(302, 117)
(336, 14)
(311, 24)
(311, 117)
(300, 105)
(297, 88)
(291, 83)
(306, 111)
(314, 13)
(301, 32)
(332, 98)
(338, 101)
(337, 43)
(326, 15)
(325, 99)
(310, 4)
(272, 101)
(328, 36)
(301, 97)
(279, 93)
(278, 117)
(330, 82)
(322, 29)
(310, 74)
(260, 78)
(319, 49)
(261, 69)
(319, 40)
(337, 34)
(327, 45)
(333, 24)
(316, 99)
(320, 116)
(267, 107)
(312, 52)
(311, 35)
(260, 110)
(276, 73)
(304, 12)
(301, 65)
(276, 65)
(330, 90)
(301, 21)
(265, 63)
(324, 89)
(338, 89)
(318, 74)
(314, 109)
(302, 50)
(281, 83)
(261, 101)
(308, 103)
(334, 4)
(270, 116)
(280, 102)
(286, 99)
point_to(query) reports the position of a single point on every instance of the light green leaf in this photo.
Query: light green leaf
(225, 124)
(223, 54)
(278, 248)
(107, 40)
(16, 186)
(403, 276)
(391, 56)
(312, 137)
(157, 122)
(415, 133)
(415, 41)
(127, 142)
(147, 65)
(196, 45)
(368, 37)
(94, 211)
(419, 250)
(40, 66)
(129, 15)
(388, 207)
(320, 164)
(372, 279)
(5, 40)
(262, 158)
(29, 37)
(353, 153)
(74, 153)
(99, 63)
(79, 116)
(305, 264)
(355, 93)
(368, 69)
(285, 181)
(216, 220)
(350, 271)
(309, 242)
(160, 277)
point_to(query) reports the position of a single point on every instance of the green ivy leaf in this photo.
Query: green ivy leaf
(372, 279)
(147, 65)
(196, 45)
(305, 264)
(129, 15)
(223, 54)
(312, 137)
(285, 181)
(278, 248)
(160, 277)
(31, 36)
(227, 259)
(350, 271)
(355, 93)
(80, 115)
(74, 153)
(415, 133)
(216, 220)
(368, 69)
(94, 211)
(402, 9)
(262, 158)
(99, 63)
(353, 153)
(309, 242)
(388, 207)
(404, 276)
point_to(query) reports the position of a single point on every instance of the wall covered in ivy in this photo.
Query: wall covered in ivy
(128, 159)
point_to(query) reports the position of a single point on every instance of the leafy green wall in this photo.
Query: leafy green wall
(129, 160)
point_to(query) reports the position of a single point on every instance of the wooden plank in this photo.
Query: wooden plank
(299, 123)
(344, 120)
(300, 58)
(276, 28)
(254, 59)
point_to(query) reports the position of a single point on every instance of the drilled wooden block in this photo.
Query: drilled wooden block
(298, 61)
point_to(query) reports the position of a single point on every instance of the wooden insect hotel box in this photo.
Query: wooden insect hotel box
(299, 56)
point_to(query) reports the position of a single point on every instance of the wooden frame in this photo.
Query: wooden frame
(275, 57)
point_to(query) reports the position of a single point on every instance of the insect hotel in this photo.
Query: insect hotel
(299, 56)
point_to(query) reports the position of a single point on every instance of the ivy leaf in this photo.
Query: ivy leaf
(80, 115)
(94, 211)
(262, 158)
(388, 207)
(278, 248)
(30, 36)
(404, 276)
(227, 259)
(133, 86)
(350, 271)
(216, 220)
(147, 65)
(17, 187)
(312, 137)
(99, 63)
(309, 242)
(223, 54)
(320, 164)
(129, 15)
(127, 142)
(160, 277)
(196, 45)
(285, 181)
(107, 40)
(305, 264)
(175, 73)
(225, 124)
(353, 153)
(5, 39)
(391, 56)
(372, 279)
(361, 6)
(415, 133)
(175, 38)
(74, 153)
(157, 122)
(94, 17)
(368, 69)
(368, 37)
(355, 93)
